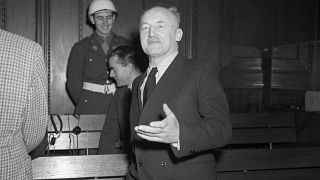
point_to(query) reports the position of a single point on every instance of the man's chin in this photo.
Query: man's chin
(153, 49)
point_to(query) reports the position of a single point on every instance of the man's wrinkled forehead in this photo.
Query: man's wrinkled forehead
(157, 15)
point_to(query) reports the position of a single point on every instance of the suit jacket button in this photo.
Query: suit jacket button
(139, 164)
(85, 100)
(163, 163)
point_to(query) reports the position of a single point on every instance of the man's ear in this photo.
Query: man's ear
(179, 34)
(114, 17)
(91, 19)
(130, 67)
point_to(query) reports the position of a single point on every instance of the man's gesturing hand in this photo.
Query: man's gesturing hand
(165, 131)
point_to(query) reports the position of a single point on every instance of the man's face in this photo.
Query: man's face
(121, 74)
(159, 32)
(103, 21)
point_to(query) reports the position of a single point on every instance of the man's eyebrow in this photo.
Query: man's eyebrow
(157, 22)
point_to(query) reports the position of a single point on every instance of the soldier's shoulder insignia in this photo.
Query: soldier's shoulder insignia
(94, 47)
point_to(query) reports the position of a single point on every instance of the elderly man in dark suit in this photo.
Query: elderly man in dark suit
(23, 104)
(179, 112)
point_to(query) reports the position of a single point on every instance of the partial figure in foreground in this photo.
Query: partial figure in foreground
(23, 104)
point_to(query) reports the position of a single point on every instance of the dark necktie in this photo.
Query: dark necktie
(150, 84)
(105, 46)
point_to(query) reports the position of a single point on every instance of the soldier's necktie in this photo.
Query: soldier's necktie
(105, 46)
(150, 84)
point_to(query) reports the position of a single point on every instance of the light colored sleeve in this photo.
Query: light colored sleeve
(36, 112)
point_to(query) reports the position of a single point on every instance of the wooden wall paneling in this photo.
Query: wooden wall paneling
(243, 72)
(252, 23)
(207, 30)
(64, 32)
(85, 29)
(185, 9)
(290, 74)
(295, 21)
(21, 18)
(243, 34)
(42, 29)
(188, 23)
(266, 56)
(127, 22)
(242, 79)
(316, 67)
(2, 14)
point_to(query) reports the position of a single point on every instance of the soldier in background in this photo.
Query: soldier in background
(88, 83)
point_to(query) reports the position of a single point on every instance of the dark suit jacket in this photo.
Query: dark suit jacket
(192, 91)
(114, 137)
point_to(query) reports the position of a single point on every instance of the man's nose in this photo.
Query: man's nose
(151, 31)
(105, 21)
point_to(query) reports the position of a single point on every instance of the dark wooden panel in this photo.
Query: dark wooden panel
(240, 120)
(288, 174)
(289, 65)
(245, 64)
(255, 159)
(242, 72)
(289, 74)
(3, 14)
(21, 18)
(293, 80)
(63, 33)
(84, 28)
(127, 22)
(263, 135)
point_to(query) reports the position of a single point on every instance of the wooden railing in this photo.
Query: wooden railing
(262, 147)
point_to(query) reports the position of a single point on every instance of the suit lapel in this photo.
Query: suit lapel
(139, 92)
(165, 87)
(123, 103)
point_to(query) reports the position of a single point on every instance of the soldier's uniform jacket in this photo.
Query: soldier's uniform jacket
(87, 63)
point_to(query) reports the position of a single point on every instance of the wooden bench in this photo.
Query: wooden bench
(262, 147)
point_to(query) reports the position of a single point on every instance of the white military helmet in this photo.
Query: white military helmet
(98, 5)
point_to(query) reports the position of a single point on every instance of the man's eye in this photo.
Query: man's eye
(143, 28)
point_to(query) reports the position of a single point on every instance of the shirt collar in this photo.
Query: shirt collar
(163, 66)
